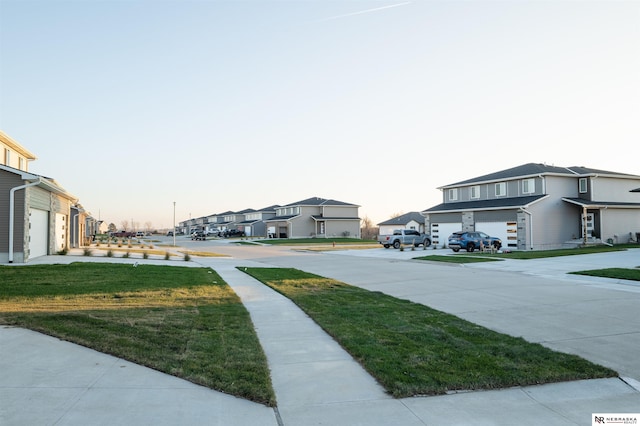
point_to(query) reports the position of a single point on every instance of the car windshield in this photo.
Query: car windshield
(483, 235)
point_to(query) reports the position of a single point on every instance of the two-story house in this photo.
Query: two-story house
(254, 223)
(315, 217)
(537, 206)
(35, 211)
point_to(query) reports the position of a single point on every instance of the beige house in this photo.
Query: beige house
(315, 217)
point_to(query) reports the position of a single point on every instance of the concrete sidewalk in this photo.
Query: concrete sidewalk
(47, 381)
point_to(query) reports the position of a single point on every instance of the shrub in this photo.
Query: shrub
(126, 255)
(110, 253)
(145, 255)
(87, 252)
(63, 252)
(167, 255)
(187, 257)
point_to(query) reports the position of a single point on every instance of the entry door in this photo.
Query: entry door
(589, 227)
(61, 231)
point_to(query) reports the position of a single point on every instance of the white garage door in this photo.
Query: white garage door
(440, 232)
(506, 231)
(38, 233)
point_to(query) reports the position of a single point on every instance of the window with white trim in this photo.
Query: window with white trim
(528, 186)
(582, 185)
(475, 191)
(501, 189)
(453, 194)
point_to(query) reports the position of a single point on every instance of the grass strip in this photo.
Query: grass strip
(618, 273)
(182, 321)
(457, 259)
(412, 349)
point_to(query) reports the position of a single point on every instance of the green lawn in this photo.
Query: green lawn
(619, 273)
(183, 321)
(412, 349)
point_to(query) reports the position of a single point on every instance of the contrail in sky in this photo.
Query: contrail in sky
(375, 9)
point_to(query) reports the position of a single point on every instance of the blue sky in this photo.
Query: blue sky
(226, 105)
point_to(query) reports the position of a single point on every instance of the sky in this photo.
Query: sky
(134, 105)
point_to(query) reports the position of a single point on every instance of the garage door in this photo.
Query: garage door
(440, 232)
(506, 231)
(38, 233)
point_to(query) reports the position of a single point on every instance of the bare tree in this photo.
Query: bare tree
(125, 225)
(112, 227)
(368, 230)
(148, 226)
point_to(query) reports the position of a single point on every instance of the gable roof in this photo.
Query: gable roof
(493, 204)
(317, 201)
(46, 183)
(536, 169)
(404, 219)
(6, 139)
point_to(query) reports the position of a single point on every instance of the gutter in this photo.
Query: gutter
(12, 192)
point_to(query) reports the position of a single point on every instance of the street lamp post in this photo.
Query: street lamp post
(174, 224)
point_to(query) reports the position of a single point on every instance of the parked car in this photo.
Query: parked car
(472, 240)
(404, 236)
(230, 233)
(198, 235)
(140, 234)
(170, 234)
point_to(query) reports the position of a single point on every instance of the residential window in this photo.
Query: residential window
(475, 192)
(501, 189)
(21, 163)
(453, 194)
(582, 184)
(7, 157)
(528, 186)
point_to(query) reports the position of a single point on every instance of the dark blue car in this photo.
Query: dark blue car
(472, 240)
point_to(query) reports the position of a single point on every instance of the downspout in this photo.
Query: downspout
(524, 210)
(74, 223)
(12, 192)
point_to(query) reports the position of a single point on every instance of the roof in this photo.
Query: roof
(535, 169)
(6, 139)
(320, 217)
(404, 219)
(493, 204)
(44, 182)
(597, 204)
(277, 218)
(317, 201)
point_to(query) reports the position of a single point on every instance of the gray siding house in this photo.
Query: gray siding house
(536, 206)
(315, 217)
(34, 216)
(411, 220)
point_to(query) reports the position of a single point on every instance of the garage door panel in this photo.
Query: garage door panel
(506, 231)
(440, 232)
(38, 233)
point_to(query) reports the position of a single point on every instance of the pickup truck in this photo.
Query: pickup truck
(404, 237)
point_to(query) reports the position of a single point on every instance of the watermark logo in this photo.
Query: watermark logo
(598, 419)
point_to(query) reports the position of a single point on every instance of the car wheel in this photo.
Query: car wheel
(386, 246)
(455, 250)
(471, 247)
(426, 243)
(396, 244)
